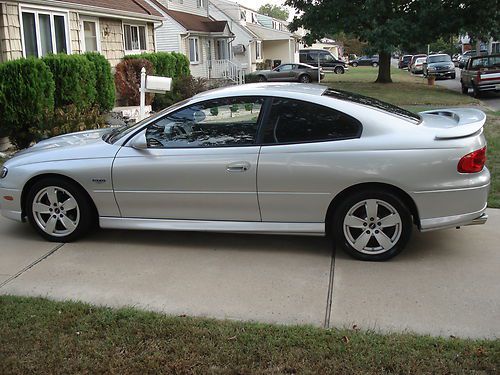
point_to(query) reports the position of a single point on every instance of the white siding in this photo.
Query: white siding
(168, 36)
(188, 6)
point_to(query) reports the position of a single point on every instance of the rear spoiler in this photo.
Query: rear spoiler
(463, 122)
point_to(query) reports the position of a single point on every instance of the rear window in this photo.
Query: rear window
(374, 103)
(491, 62)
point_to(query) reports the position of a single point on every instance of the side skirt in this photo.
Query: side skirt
(308, 229)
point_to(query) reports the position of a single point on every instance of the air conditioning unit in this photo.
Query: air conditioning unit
(239, 49)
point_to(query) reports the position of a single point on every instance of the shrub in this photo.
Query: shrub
(251, 78)
(105, 86)
(128, 81)
(214, 111)
(70, 119)
(166, 64)
(189, 86)
(26, 95)
(75, 80)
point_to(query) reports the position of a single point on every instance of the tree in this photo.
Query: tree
(274, 11)
(388, 24)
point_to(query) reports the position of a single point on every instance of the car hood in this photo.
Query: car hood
(80, 145)
(442, 63)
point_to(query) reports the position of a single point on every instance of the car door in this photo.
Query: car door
(301, 167)
(200, 163)
(278, 73)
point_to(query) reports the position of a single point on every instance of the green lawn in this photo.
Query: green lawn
(405, 89)
(38, 335)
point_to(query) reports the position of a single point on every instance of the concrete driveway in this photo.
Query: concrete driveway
(445, 283)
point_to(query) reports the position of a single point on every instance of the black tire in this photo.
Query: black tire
(305, 78)
(261, 78)
(375, 64)
(475, 91)
(453, 75)
(85, 208)
(400, 235)
(465, 89)
(339, 70)
(354, 64)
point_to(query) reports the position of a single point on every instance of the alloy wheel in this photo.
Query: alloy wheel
(55, 211)
(372, 226)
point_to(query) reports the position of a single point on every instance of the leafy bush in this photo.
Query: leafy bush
(128, 81)
(165, 64)
(251, 78)
(214, 111)
(70, 119)
(189, 86)
(105, 85)
(26, 95)
(75, 80)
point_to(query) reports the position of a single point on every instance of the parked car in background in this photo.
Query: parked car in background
(468, 54)
(404, 61)
(413, 59)
(326, 60)
(456, 58)
(439, 66)
(481, 74)
(418, 66)
(365, 61)
(290, 73)
(280, 158)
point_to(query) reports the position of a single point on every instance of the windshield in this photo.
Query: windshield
(375, 103)
(120, 132)
(438, 59)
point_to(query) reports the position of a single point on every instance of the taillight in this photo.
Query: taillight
(473, 162)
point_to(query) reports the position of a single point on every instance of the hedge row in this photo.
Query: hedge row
(32, 89)
(166, 64)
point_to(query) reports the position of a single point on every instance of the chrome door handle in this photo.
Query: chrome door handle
(242, 166)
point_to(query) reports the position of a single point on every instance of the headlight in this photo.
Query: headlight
(4, 172)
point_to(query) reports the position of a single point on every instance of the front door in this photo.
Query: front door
(200, 164)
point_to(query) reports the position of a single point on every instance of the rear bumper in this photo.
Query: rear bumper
(493, 86)
(474, 218)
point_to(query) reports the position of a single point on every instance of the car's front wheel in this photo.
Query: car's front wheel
(261, 78)
(58, 210)
(372, 225)
(354, 64)
(375, 64)
(339, 70)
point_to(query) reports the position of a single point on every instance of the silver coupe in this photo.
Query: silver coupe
(279, 158)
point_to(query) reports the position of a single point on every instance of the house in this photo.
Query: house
(258, 38)
(112, 27)
(188, 28)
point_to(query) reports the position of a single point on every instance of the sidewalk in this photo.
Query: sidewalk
(445, 283)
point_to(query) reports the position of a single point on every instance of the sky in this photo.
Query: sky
(255, 4)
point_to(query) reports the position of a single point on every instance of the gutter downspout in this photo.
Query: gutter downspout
(154, 30)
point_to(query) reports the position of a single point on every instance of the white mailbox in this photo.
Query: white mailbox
(158, 85)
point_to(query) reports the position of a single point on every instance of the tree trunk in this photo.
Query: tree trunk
(384, 68)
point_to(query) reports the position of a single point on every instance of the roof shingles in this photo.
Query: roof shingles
(140, 7)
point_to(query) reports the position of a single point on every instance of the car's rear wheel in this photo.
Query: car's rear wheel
(465, 89)
(304, 78)
(372, 225)
(375, 64)
(58, 210)
(339, 70)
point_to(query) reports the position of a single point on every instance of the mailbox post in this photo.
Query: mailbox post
(154, 84)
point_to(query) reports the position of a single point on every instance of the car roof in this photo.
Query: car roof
(264, 89)
(438, 54)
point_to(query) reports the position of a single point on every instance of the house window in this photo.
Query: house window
(199, 4)
(258, 50)
(194, 50)
(90, 34)
(43, 33)
(135, 37)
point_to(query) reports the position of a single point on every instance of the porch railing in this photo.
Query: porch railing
(226, 69)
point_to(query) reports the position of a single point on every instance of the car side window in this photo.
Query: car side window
(213, 123)
(295, 121)
(286, 68)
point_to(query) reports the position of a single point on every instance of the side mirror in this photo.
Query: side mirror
(139, 142)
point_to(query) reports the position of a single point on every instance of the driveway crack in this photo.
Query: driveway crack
(32, 264)
(329, 296)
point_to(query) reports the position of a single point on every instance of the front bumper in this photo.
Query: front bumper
(442, 73)
(10, 204)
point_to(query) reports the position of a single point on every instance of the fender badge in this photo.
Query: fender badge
(99, 180)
